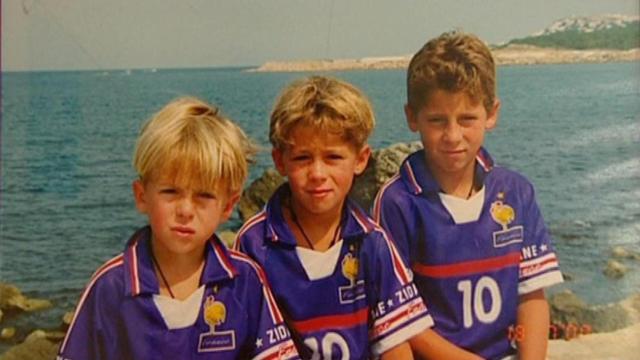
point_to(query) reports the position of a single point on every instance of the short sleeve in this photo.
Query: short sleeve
(397, 308)
(539, 265)
(273, 338)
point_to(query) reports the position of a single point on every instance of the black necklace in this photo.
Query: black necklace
(166, 283)
(304, 234)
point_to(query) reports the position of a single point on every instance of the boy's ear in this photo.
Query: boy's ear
(276, 155)
(492, 117)
(412, 121)
(231, 202)
(138, 196)
(362, 159)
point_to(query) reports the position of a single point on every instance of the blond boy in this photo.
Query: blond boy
(336, 276)
(176, 292)
(471, 230)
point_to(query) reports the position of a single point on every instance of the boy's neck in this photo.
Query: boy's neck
(460, 185)
(320, 230)
(181, 272)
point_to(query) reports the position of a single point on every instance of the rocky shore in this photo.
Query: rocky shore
(577, 329)
(510, 55)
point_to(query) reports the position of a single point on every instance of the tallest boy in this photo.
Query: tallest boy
(471, 230)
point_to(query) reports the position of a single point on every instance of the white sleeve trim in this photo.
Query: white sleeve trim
(402, 335)
(539, 282)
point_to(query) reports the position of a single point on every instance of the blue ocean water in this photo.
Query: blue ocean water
(67, 140)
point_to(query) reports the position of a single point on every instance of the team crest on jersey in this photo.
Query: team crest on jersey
(355, 290)
(215, 314)
(504, 214)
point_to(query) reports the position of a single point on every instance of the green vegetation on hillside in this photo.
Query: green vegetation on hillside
(620, 38)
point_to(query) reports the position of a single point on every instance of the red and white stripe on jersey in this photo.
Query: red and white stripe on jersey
(377, 211)
(276, 316)
(401, 271)
(395, 319)
(261, 216)
(484, 162)
(468, 267)
(417, 189)
(363, 221)
(222, 259)
(106, 267)
(282, 351)
(534, 267)
(135, 280)
(338, 321)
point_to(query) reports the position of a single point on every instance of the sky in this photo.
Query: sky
(132, 34)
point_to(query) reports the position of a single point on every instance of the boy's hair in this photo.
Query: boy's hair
(454, 61)
(325, 104)
(190, 143)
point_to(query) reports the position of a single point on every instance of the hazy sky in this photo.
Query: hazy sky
(108, 34)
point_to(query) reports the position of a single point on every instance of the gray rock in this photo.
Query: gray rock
(227, 237)
(7, 333)
(12, 299)
(568, 310)
(622, 253)
(383, 164)
(36, 348)
(255, 196)
(614, 269)
(67, 318)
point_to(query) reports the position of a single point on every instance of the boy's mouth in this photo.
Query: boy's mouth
(318, 192)
(183, 230)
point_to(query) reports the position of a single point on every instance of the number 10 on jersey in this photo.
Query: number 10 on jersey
(473, 306)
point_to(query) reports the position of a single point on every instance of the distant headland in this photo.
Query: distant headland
(590, 39)
(514, 54)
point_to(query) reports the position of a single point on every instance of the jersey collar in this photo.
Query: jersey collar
(418, 178)
(140, 277)
(355, 222)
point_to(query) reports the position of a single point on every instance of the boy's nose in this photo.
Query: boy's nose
(184, 208)
(317, 170)
(453, 132)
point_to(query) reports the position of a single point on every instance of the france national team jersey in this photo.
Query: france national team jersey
(471, 266)
(364, 305)
(117, 316)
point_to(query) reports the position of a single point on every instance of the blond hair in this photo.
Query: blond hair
(190, 143)
(454, 61)
(322, 103)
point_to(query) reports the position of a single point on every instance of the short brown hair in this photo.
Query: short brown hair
(454, 61)
(326, 104)
(191, 143)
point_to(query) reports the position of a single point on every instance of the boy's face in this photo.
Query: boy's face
(452, 129)
(182, 219)
(320, 169)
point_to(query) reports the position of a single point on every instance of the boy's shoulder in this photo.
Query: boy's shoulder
(503, 176)
(108, 281)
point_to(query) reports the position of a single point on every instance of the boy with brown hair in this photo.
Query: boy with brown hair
(471, 230)
(336, 276)
(176, 292)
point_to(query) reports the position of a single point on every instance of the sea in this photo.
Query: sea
(67, 140)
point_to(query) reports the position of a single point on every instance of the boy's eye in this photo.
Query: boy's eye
(206, 195)
(168, 191)
(300, 158)
(436, 120)
(336, 156)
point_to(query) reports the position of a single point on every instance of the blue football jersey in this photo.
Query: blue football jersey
(365, 306)
(116, 317)
(470, 273)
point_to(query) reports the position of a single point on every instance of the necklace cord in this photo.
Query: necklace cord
(164, 279)
(304, 234)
